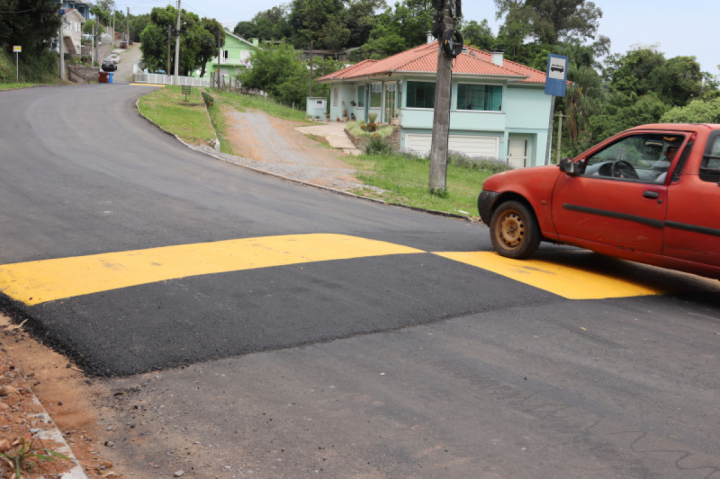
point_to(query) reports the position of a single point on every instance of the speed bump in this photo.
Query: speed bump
(36, 282)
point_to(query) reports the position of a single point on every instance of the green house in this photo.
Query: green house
(234, 55)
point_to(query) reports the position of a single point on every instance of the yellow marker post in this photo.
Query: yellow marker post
(40, 281)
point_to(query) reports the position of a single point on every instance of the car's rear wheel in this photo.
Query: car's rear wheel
(514, 231)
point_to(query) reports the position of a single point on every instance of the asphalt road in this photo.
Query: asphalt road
(398, 365)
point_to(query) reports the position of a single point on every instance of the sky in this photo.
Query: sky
(680, 28)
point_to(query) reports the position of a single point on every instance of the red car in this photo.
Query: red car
(649, 194)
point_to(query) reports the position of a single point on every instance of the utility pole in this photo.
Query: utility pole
(443, 96)
(177, 46)
(217, 76)
(127, 26)
(60, 50)
(168, 54)
(560, 135)
(112, 38)
(311, 67)
(92, 46)
(97, 42)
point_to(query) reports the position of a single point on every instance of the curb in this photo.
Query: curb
(44, 427)
(303, 183)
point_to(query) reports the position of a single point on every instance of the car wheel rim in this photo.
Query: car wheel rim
(511, 230)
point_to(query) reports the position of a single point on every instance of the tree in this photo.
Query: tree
(197, 44)
(696, 111)
(246, 29)
(397, 29)
(89, 27)
(272, 24)
(384, 39)
(360, 19)
(35, 25)
(335, 33)
(207, 36)
(138, 24)
(278, 71)
(626, 111)
(307, 18)
(479, 35)
(645, 70)
(552, 21)
(271, 67)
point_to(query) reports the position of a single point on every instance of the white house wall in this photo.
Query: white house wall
(525, 110)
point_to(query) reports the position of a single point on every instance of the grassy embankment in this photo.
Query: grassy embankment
(33, 71)
(190, 122)
(404, 180)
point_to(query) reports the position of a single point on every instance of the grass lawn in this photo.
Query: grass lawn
(242, 102)
(405, 181)
(191, 123)
(13, 86)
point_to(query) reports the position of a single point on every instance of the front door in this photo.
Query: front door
(389, 102)
(518, 152)
(621, 198)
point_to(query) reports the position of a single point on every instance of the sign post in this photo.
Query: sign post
(555, 84)
(17, 49)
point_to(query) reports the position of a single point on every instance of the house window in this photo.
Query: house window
(420, 94)
(226, 54)
(336, 95)
(376, 95)
(479, 97)
(361, 95)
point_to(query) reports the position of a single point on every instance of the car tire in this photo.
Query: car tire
(514, 231)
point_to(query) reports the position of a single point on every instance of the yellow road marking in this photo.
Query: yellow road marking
(571, 283)
(40, 281)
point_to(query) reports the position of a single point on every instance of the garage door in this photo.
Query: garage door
(485, 146)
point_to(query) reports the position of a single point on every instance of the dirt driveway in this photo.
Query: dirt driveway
(273, 145)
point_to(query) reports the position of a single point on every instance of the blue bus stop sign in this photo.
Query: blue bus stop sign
(556, 79)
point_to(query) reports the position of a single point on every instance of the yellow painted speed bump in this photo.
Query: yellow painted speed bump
(569, 282)
(40, 281)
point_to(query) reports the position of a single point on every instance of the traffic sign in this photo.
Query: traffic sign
(17, 49)
(556, 77)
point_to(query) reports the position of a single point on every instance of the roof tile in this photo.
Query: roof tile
(423, 59)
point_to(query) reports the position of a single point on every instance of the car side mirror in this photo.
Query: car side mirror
(570, 167)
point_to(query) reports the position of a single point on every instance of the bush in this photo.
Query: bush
(378, 146)
(489, 165)
(209, 100)
(360, 129)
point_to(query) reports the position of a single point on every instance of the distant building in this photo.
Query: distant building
(499, 108)
(72, 32)
(82, 6)
(234, 55)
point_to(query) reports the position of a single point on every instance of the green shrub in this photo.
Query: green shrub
(208, 98)
(378, 146)
(359, 129)
(489, 165)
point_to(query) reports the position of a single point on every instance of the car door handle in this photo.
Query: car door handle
(653, 195)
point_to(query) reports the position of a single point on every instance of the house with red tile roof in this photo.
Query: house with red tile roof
(499, 108)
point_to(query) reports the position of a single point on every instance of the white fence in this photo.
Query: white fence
(158, 79)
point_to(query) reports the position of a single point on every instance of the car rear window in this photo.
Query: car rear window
(713, 161)
(710, 168)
